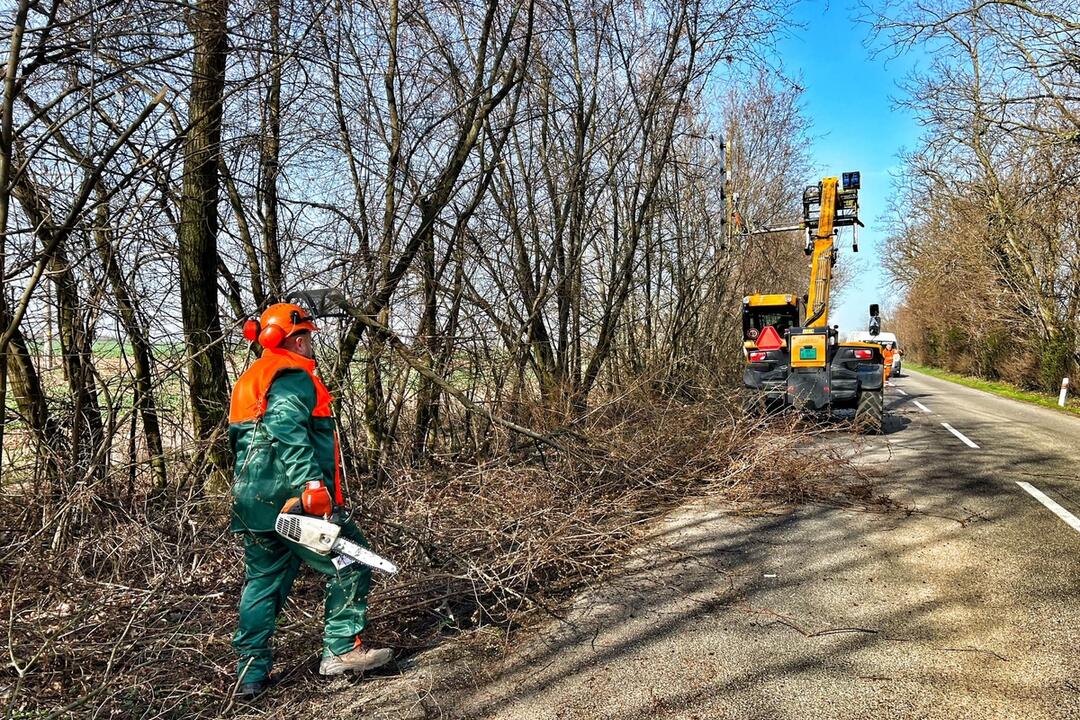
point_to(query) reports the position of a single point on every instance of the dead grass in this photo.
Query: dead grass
(121, 611)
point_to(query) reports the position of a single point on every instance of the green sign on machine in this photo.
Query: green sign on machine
(808, 352)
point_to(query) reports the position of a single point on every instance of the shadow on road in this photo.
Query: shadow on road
(817, 612)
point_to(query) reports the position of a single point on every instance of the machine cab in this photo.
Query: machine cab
(781, 312)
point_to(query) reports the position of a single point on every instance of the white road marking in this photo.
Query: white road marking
(1070, 519)
(960, 435)
(901, 391)
(922, 407)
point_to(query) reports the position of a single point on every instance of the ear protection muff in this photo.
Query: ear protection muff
(270, 336)
(278, 325)
(251, 329)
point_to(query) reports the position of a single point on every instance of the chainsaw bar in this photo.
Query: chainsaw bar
(362, 555)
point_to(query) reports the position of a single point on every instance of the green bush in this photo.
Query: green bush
(1056, 360)
(992, 352)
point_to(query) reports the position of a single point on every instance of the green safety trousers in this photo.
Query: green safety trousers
(270, 566)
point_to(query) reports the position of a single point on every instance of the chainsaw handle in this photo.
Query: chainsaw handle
(316, 499)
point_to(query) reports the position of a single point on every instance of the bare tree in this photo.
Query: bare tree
(998, 160)
(199, 228)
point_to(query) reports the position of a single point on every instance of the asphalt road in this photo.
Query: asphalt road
(963, 603)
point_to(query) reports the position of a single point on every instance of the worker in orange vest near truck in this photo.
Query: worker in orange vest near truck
(888, 351)
(284, 439)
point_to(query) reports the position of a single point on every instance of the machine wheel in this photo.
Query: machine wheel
(869, 414)
(754, 404)
(774, 406)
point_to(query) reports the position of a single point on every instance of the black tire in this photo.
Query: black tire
(774, 406)
(754, 404)
(870, 412)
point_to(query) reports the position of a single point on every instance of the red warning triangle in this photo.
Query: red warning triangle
(769, 339)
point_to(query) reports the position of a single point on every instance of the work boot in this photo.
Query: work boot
(359, 659)
(250, 690)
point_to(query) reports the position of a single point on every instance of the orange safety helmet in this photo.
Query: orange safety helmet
(277, 323)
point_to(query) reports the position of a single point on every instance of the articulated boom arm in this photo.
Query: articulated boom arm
(826, 208)
(822, 258)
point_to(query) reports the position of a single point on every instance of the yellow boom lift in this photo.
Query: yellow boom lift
(798, 361)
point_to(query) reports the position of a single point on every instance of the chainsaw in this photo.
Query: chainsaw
(324, 537)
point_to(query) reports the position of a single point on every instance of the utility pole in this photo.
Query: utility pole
(725, 229)
(727, 145)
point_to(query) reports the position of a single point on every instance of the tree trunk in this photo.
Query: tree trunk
(7, 150)
(426, 336)
(375, 420)
(269, 161)
(30, 400)
(75, 340)
(140, 345)
(198, 232)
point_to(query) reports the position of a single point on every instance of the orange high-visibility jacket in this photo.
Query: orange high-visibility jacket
(283, 435)
(888, 353)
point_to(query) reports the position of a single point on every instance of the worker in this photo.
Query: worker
(887, 351)
(284, 440)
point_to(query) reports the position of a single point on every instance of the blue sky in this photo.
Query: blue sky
(855, 126)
